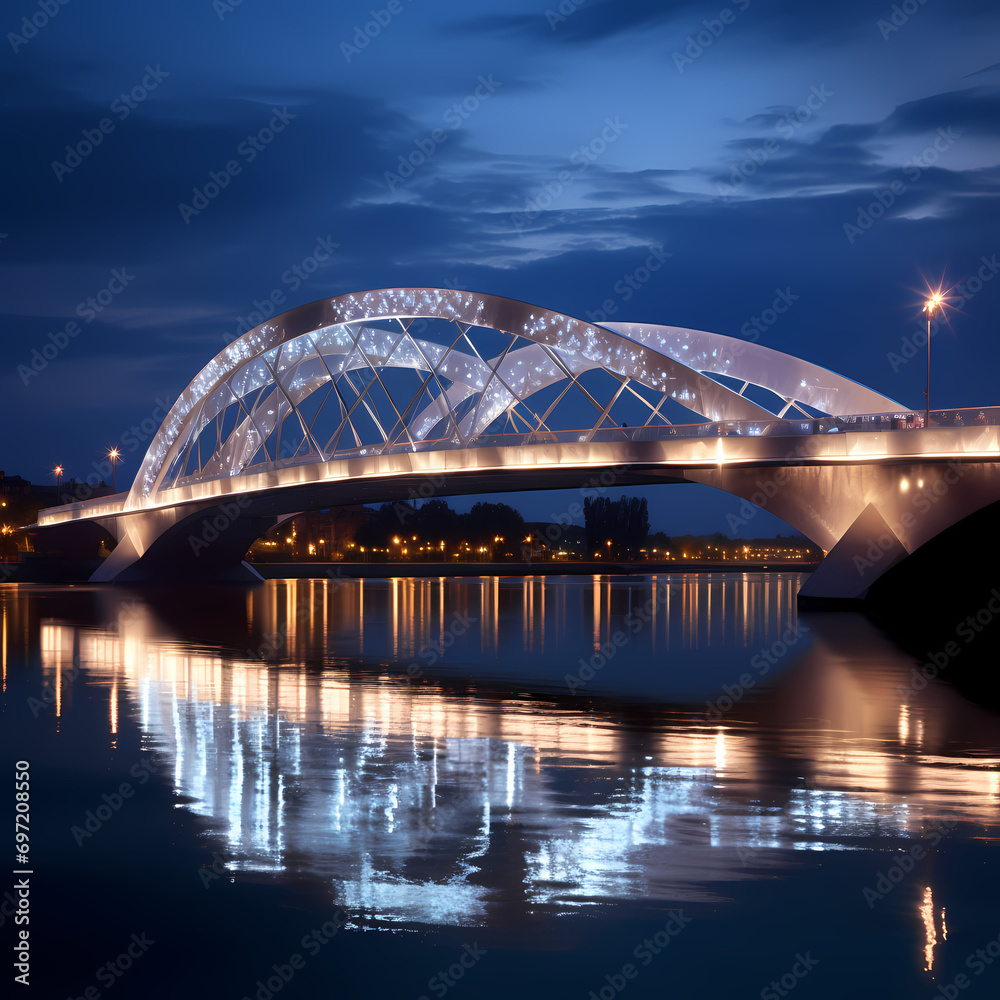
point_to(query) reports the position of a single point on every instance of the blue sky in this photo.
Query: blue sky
(743, 139)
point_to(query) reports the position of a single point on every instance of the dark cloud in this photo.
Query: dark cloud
(787, 19)
(856, 156)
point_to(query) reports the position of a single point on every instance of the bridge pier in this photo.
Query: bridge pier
(868, 516)
(204, 545)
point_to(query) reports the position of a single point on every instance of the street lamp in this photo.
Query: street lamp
(58, 470)
(933, 304)
(113, 456)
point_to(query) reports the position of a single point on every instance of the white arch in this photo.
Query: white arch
(294, 354)
(783, 374)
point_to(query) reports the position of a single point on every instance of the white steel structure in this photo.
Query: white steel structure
(382, 395)
(388, 380)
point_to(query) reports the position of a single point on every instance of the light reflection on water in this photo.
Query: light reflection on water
(435, 801)
(676, 628)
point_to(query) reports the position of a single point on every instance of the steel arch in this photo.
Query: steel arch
(265, 377)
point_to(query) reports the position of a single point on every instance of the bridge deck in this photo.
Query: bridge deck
(537, 458)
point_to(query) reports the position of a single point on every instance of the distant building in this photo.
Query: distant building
(21, 500)
(326, 534)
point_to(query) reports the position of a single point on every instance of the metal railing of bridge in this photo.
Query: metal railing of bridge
(777, 427)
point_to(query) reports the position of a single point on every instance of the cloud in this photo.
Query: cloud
(789, 20)
(865, 155)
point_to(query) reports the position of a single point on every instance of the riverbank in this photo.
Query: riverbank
(365, 571)
(51, 570)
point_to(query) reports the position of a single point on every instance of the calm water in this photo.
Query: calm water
(671, 786)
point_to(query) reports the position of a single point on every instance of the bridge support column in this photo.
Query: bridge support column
(867, 515)
(867, 550)
(206, 545)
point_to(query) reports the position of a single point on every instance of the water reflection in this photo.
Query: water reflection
(682, 631)
(314, 753)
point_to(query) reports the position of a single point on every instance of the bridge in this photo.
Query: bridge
(414, 392)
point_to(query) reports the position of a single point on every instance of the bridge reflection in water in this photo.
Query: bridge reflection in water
(407, 798)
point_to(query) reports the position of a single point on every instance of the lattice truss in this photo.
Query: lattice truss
(428, 368)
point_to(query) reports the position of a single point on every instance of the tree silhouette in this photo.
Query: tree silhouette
(625, 522)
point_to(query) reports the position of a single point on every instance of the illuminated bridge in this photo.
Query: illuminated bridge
(415, 392)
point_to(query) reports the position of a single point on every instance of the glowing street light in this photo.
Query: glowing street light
(933, 304)
(58, 470)
(113, 456)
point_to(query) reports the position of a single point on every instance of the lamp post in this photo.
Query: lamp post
(930, 307)
(58, 470)
(113, 456)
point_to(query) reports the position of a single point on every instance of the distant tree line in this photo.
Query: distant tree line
(501, 531)
(434, 522)
(623, 522)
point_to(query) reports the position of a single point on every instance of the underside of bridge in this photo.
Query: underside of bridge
(396, 393)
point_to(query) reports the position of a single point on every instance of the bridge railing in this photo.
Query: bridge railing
(765, 427)
(768, 427)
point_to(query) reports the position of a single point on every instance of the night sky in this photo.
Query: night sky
(557, 146)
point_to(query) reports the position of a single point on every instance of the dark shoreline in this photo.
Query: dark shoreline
(76, 571)
(365, 571)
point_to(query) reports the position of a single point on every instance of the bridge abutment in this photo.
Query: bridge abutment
(868, 516)
(206, 545)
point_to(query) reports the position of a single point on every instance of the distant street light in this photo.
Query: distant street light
(114, 455)
(58, 470)
(933, 304)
